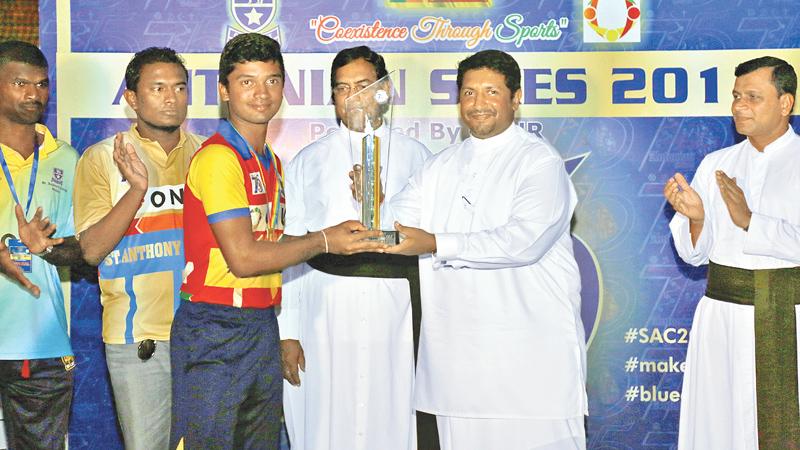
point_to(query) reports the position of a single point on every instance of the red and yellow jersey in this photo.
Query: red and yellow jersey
(227, 180)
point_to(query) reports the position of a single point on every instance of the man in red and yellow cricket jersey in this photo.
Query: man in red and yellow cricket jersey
(227, 379)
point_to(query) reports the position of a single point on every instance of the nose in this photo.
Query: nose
(261, 90)
(170, 96)
(33, 92)
(738, 104)
(481, 98)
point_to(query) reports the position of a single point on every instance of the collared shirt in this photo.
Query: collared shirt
(34, 328)
(139, 280)
(226, 180)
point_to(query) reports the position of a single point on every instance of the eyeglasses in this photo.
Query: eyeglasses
(345, 88)
(146, 349)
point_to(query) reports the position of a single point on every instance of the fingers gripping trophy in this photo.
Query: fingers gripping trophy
(369, 113)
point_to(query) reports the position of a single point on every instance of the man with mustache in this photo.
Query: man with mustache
(740, 216)
(502, 357)
(355, 391)
(129, 197)
(36, 358)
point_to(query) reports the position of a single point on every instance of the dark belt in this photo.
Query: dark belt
(382, 265)
(773, 293)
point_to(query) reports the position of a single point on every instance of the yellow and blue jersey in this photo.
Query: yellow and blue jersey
(140, 279)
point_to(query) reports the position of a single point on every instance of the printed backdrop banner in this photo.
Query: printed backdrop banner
(629, 91)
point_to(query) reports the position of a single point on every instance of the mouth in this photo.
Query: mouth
(32, 106)
(481, 115)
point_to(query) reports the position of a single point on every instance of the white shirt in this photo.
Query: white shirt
(771, 184)
(501, 330)
(318, 195)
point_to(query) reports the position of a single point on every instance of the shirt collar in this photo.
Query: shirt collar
(380, 131)
(494, 142)
(230, 134)
(135, 132)
(778, 143)
(49, 144)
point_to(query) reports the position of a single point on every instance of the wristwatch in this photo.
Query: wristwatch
(45, 252)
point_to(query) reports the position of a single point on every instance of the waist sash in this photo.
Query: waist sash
(773, 293)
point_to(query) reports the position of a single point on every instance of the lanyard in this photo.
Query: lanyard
(32, 185)
(274, 216)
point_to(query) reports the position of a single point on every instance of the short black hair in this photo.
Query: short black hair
(349, 55)
(783, 75)
(249, 47)
(150, 55)
(500, 62)
(23, 52)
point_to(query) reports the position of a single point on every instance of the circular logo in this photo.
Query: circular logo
(612, 34)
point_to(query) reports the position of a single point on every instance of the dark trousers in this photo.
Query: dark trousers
(36, 408)
(226, 378)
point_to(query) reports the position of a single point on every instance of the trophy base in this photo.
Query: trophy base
(388, 238)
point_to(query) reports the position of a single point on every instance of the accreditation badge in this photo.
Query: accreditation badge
(69, 362)
(20, 255)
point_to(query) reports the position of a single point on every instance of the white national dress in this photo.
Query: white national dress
(718, 401)
(501, 329)
(356, 332)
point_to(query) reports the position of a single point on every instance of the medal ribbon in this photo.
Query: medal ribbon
(275, 212)
(32, 184)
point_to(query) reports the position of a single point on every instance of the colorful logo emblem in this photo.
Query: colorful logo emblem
(253, 16)
(257, 183)
(612, 21)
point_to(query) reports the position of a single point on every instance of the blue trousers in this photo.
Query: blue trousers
(226, 378)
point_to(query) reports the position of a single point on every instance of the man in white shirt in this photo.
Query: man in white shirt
(502, 351)
(345, 322)
(740, 216)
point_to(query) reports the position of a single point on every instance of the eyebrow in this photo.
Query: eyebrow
(28, 80)
(165, 82)
(363, 80)
(746, 91)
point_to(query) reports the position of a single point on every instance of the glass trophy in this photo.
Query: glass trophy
(369, 114)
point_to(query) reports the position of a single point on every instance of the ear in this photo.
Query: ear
(223, 92)
(516, 99)
(130, 97)
(786, 101)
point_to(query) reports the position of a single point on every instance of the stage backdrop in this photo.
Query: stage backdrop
(629, 91)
